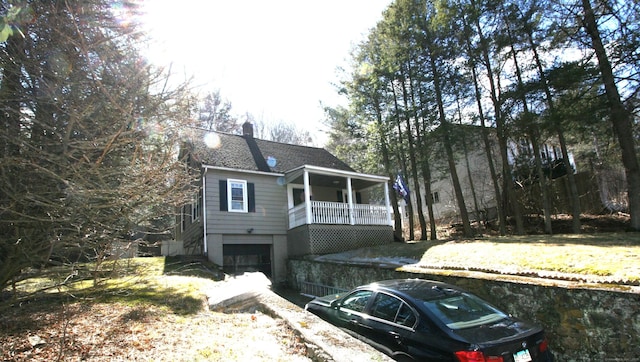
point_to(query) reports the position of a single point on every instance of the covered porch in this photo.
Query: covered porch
(319, 195)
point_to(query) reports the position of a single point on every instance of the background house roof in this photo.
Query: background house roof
(247, 153)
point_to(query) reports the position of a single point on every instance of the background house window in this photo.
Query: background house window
(237, 195)
(435, 198)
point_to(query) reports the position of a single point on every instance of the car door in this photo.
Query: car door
(395, 330)
(350, 311)
(391, 323)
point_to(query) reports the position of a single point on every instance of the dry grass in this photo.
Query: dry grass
(605, 257)
(117, 332)
(143, 315)
(153, 309)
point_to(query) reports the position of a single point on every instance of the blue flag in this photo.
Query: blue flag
(401, 187)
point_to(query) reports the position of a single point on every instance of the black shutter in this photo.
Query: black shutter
(358, 198)
(223, 195)
(251, 194)
(339, 195)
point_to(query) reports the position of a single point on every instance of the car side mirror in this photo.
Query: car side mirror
(335, 304)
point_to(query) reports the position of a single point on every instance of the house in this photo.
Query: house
(262, 202)
(472, 168)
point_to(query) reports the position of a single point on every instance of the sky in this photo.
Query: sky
(275, 59)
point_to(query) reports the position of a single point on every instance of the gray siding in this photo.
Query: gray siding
(193, 234)
(270, 216)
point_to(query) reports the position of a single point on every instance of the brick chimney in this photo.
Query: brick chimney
(247, 129)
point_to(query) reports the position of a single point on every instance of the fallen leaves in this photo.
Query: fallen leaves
(115, 331)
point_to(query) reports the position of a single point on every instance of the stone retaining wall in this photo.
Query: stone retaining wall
(584, 322)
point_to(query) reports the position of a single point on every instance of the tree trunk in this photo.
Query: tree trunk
(414, 169)
(465, 151)
(426, 174)
(534, 136)
(485, 138)
(462, 207)
(402, 162)
(390, 172)
(542, 181)
(508, 192)
(573, 188)
(620, 116)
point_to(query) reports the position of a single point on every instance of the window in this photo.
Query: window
(464, 311)
(393, 309)
(385, 307)
(196, 207)
(406, 317)
(435, 198)
(237, 195)
(357, 301)
(183, 219)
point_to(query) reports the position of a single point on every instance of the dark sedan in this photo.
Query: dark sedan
(423, 320)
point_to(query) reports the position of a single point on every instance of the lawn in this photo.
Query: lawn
(605, 258)
(155, 308)
(152, 309)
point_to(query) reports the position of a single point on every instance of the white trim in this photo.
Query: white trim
(196, 205)
(350, 201)
(204, 210)
(245, 196)
(298, 171)
(307, 197)
(206, 167)
(387, 203)
(294, 173)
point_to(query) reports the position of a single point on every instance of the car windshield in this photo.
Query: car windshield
(463, 311)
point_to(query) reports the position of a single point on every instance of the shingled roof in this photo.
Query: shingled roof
(243, 152)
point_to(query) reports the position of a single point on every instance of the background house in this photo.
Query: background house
(472, 167)
(261, 202)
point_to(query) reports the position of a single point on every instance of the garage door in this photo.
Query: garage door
(242, 258)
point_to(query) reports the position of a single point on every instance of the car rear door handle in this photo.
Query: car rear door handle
(359, 324)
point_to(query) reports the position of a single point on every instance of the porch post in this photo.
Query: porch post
(350, 200)
(387, 203)
(307, 197)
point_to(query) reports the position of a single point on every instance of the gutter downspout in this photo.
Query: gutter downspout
(204, 211)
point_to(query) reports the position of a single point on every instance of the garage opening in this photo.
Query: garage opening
(247, 258)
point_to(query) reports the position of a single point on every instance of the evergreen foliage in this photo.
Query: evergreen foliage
(88, 135)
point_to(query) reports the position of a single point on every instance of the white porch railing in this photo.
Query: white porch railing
(325, 212)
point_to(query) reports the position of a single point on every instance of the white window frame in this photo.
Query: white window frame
(196, 207)
(245, 198)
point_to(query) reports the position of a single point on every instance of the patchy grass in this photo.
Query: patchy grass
(139, 281)
(153, 309)
(606, 257)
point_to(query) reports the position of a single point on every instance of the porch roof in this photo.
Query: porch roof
(322, 176)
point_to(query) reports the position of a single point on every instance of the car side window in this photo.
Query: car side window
(357, 301)
(385, 307)
(406, 317)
